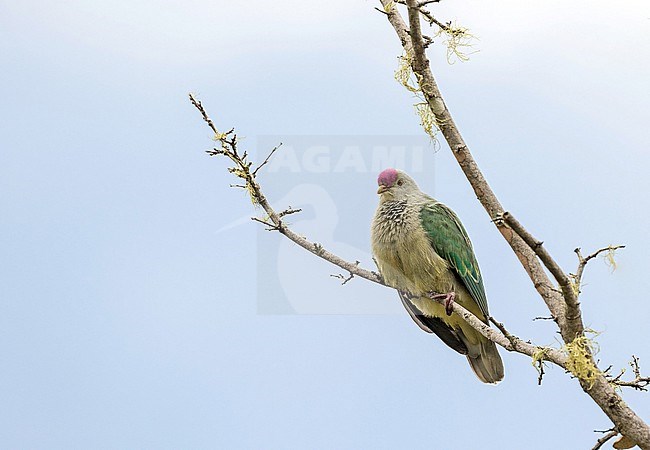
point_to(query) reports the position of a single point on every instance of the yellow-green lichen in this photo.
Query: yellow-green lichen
(218, 136)
(575, 284)
(404, 75)
(427, 119)
(538, 357)
(458, 41)
(580, 361)
(610, 258)
(404, 72)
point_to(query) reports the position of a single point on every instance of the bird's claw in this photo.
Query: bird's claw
(449, 299)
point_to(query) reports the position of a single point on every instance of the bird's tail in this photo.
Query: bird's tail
(487, 364)
(483, 357)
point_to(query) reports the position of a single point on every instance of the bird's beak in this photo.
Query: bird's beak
(382, 189)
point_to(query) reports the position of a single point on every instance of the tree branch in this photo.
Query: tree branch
(573, 326)
(582, 262)
(507, 340)
(603, 394)
(427, 14)
(267, 159)
(242, 170)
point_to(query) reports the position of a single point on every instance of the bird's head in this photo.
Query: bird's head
(395, 185)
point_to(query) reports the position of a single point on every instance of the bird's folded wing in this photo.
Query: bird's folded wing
(450, 241)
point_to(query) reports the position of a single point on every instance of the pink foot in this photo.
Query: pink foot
(449, 300)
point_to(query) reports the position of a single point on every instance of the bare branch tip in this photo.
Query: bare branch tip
(342, 277)
(609, 435)
(382, 11)
(267, 159)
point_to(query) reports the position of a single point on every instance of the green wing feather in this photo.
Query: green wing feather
(450, 241)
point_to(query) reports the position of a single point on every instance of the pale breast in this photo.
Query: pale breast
(404, 254)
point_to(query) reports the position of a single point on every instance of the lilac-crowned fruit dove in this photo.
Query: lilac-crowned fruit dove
(423, 250)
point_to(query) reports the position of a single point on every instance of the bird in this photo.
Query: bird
(423, 251)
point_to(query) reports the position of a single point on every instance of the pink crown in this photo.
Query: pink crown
(387, 177)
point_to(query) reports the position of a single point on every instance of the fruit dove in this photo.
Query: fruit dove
(423, 250)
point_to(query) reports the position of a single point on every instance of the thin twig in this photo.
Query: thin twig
(600, 442)
(582, 261)
(288, 211)
(427, 14)
(433, 21)
(540, 377)
(382, 11)
(345, 279)
(340, 276)
(270, 226)
(197, 104)
(640, 383)
(502, 328)
(267, 159)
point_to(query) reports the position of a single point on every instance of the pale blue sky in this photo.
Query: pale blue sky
(129, 319)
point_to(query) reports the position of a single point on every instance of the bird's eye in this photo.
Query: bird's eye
(400, 182)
